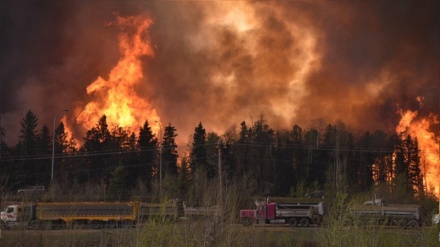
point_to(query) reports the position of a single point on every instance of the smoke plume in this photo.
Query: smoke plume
(223, 62)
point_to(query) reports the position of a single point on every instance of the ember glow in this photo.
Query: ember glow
(428, 145)
(117, 96)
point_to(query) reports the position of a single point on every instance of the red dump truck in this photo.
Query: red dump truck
(293, 214)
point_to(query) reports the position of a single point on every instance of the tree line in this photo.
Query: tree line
(286, 162)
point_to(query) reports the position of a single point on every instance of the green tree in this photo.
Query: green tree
(212, 154)
(98, 141)
(28, 148)
(284, 154)
(148, 153)
(169, 151)
(299, 153)
(242, 150)
(184, 179)
(261, 157)
(314, 171)
(44, 147)
(28, 135)
(67, 166)
(366, 159)
(229, 161)
(60, 146)
(118, 189)
(414, 171)
(198, 159)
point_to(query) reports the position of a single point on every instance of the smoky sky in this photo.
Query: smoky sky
(224, 62)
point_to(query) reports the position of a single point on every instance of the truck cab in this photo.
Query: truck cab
(278, 213)
(17, 215)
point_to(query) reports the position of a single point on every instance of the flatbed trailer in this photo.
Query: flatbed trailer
(98, 214)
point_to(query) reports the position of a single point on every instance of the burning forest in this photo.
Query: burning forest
(332, 86)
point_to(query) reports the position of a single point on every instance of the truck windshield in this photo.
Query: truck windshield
(9, 210)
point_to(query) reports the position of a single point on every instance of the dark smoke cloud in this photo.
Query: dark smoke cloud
(371, 56)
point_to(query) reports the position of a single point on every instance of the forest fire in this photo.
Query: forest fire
(117, 97)
(427, 143)
(251, 72)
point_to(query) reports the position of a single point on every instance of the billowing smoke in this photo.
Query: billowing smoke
(223, 62)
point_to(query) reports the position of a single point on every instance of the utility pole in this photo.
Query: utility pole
(160, 161)
(220, 171)
(53, 142)
(220, 201)
(1, 136)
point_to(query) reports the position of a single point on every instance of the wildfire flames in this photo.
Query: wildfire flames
(428, 145)
(221, 63)
(117, 96)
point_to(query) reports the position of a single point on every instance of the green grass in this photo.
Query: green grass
(209, 233)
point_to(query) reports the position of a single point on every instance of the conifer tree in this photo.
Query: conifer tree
(312, 145)
(299, 164)
(65, 166)
(415, 171)
(27, 148)
(98, 141)
(198, 159)
(148, 151)
(242, 150)
(169, 151)
(29, 133)
(44, 147)
(212, 154)
(118, 189)
(184, 179)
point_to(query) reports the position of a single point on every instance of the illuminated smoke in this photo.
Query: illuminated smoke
(222, 62)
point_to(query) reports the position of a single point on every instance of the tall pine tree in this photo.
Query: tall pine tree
(28, 148)
(148, 149)
(169, 152)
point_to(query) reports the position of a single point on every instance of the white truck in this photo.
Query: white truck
(17, 216)
(379, 212)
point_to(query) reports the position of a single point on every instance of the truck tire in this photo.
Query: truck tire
(246, 222)
(401, 223)
(413, 224)
(96, 224)
(293, 222)
(35, 225)
(2, 225)
(304, 222)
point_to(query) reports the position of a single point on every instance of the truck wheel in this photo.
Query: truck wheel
(304, 222)
(35, 225)
(316, 220)
(111, 224)
(293, 222)
(96, 224)
(2, 225)
(246, 222)
(413, 224)
(401, 224)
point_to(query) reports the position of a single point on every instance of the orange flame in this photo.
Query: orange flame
(428, 145)
(117, 97)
